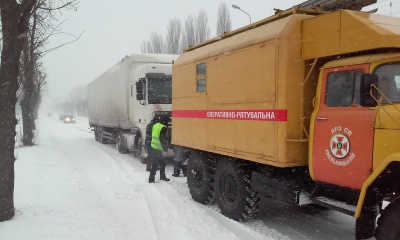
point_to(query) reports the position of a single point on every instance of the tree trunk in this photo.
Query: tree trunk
(15, 22)
(28, 85)
(28, 125)
(8, 98)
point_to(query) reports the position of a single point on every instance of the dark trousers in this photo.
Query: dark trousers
(158, 162)
(178, 165)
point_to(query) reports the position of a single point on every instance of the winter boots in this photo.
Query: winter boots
(151, 179)
(164, 178)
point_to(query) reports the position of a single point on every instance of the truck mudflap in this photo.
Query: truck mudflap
(283, 190)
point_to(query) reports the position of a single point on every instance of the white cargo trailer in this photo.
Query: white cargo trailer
(124, 99)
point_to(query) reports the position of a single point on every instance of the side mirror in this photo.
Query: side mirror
(139, 87)
(367, 92)
(139, 96)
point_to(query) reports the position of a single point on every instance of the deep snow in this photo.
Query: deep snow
(71, 187)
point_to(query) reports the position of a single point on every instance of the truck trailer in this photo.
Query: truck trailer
(124, 99)
(304, 107)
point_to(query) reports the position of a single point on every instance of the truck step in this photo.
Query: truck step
(335, 205)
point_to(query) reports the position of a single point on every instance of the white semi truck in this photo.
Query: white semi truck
(124, 99)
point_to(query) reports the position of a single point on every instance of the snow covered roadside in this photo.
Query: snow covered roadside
(72, 187)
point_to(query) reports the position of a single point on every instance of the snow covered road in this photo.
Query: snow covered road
(72, 187)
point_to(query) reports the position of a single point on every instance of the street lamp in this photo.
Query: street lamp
(237, 7)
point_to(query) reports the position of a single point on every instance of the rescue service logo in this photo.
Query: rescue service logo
(339, 147)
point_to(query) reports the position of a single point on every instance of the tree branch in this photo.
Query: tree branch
(62, 45)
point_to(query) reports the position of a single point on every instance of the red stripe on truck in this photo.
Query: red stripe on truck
(257, 115)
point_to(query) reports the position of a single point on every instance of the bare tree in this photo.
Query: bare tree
(188, 35)
(223, 19)
(173, 36)
(15, 17)
(195, 32)
(154, 45)
(31, 77)
(15, 23)
(146, 48)
(202, 30)
(157, 43)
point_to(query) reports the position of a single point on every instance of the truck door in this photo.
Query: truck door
(342, 130)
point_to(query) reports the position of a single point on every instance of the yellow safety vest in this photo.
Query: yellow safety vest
(155, 136)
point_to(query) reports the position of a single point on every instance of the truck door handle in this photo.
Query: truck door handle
(321, 118)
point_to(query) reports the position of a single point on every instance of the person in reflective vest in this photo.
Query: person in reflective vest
(159, 144)
(147, 142)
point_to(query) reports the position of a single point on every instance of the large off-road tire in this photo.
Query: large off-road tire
(233, 192)
(138, 146)
(200, 177)
(389, 222)
(366, 223)
(119, 143)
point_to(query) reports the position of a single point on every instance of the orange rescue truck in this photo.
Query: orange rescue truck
(304, 104)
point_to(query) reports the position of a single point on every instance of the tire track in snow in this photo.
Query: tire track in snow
(113, 190)
(129, 165)
(177, 217)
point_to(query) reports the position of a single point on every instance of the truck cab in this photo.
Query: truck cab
(125, 98)
(151, 95)
(348, 132)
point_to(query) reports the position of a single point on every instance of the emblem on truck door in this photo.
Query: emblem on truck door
(340, 145)
(339, 148)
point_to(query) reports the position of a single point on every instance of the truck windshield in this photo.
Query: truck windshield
(160, 90)
(389, 82)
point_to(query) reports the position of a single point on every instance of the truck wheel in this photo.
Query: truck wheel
(389, 222)
(120, 144)
(366, 223)
(137, 152)
(200, 177)
(233, 192)
(96, 134)
(102, 139)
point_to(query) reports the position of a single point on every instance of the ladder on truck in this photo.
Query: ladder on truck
(311, 7)
(333, 5)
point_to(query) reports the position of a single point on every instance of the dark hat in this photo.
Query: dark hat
(155, 119)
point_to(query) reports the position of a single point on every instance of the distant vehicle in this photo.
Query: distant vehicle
(62, 116)
(49, 114)
(69, 119)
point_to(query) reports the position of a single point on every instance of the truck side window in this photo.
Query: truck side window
(389, 82)
(341, 86)
(201, 69)
(201, 77)
(201, 85)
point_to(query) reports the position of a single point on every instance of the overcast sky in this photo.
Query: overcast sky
(113, 29)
